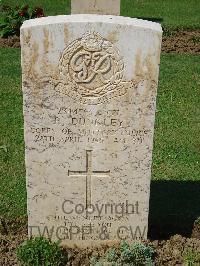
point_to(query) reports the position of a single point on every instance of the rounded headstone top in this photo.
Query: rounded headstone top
(88, 18)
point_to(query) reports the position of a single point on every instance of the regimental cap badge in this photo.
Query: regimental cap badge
(90, 67)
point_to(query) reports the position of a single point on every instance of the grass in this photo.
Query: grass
(171, 13)
(12, 172)
(177, 140)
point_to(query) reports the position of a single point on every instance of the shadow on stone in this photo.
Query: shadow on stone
(159, 20)
(174, 206)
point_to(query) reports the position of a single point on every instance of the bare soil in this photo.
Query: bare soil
(12, 234)
(12, 41)
(180, 41)
(168, 252)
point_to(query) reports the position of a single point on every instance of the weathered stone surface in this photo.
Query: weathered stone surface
(89, 85)
(102, 7)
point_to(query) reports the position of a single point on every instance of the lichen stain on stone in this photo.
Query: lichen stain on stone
(47, 67)
(46, 40)
(26, 37)
(139, 73)
(113, 36)
(151, 66)
(30, 70)
(147, 92)
(144, 72)
(66, 34)
(158, 53)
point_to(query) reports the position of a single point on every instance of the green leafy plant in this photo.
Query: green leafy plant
(191, 258)
(195, 39)
(197, 221)
(136, 254)
(168, 31)
(111, 255)
(12, 19)
(41, 252)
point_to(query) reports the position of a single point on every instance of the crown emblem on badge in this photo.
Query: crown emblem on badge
(92, 41)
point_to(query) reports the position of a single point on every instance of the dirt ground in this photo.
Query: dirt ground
(168, 252)
(182, 41)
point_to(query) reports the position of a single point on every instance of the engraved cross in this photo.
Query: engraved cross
(89, 173)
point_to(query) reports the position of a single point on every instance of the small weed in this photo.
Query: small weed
(41, 252)
(191, 258)
(195, 39)
(168, 31)
(197, 221)
(136, 254)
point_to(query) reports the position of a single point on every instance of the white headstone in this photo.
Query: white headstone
(103, 7)
(89, 86)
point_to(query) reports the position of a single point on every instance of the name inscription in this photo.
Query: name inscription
(82, 125)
